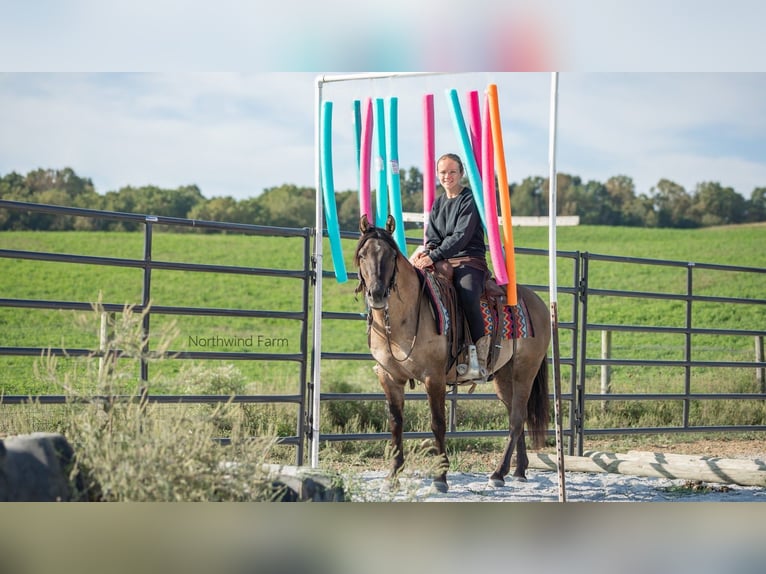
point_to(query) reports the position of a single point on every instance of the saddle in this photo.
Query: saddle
(459, 334)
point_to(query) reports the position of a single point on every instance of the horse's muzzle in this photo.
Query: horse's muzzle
(377, 297)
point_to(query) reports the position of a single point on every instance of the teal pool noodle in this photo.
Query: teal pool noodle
(381, 195)
(470, 161)
(394, 187)
(328, 193)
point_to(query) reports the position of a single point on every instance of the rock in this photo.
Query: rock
(36, 468)
(300, 484)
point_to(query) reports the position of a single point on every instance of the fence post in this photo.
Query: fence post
(760, 372)
(606, 353)
(104, 335)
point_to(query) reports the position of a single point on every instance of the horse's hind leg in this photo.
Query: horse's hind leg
(515, 403)
(522, 461)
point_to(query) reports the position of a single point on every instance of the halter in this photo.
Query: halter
(387, 293)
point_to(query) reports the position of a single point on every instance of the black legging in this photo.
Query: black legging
(469, 283)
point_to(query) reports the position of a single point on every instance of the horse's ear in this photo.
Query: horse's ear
(364, 225)
(390, 224)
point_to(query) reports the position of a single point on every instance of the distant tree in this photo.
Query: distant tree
(567, 188)
(217, 209)
(347, 206)
(410, 183)
(640, 212)
(672, 205)
(592, 203)
(13, 187)
(714, 204)
(611, 203)
(529, 197)
(183, 200)
(287, 206)
(49, 186)
(65, 180)
(620, 195)
(756, 207)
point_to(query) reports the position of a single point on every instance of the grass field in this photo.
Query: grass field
(738, 246)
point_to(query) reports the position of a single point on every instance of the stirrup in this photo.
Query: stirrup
(472, 372)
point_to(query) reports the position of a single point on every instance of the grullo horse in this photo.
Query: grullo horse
(405, 343)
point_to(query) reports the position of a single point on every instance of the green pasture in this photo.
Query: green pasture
(736, 245)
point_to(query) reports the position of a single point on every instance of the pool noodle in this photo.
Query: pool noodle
(394, 187)
(490, 204)
(357, 135)
(474, 117)
(429, 159)
(505, 198)
(364, 161)
(470, 162)
(381, 194)
(328, 193)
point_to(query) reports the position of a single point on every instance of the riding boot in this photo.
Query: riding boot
(482, 352)
(476, 369)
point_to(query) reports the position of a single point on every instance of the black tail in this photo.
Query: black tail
(538, 407)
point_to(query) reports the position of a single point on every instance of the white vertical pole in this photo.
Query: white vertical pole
(552, 212)
(552, 208)
(317, 331)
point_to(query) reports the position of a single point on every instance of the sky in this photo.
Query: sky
(238, 133)
(223, 95)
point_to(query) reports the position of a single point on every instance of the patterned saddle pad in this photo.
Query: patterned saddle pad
(514, 323)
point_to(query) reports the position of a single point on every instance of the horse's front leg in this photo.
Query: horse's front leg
(394, 391)
(437, 390)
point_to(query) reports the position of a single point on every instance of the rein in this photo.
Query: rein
(417, 328)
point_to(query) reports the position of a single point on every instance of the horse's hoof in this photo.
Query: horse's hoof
(390, 484)
(440, 486)
(496, 482)
(520, 478)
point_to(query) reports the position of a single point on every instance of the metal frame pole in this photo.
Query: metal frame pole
(552, 212)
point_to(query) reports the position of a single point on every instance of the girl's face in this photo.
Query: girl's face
(450, 175)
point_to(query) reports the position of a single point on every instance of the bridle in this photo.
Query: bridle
(392, 286)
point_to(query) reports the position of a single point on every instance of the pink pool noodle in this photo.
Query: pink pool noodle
(490, 205)
(364, 161)
(429, 158)
(474, 122)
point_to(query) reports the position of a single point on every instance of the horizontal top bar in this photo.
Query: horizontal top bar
(329, 78)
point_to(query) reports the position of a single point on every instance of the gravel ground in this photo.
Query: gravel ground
(542, 486)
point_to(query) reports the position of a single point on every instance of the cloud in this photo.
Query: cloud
(239, 133)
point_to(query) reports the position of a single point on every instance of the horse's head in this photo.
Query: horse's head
(375, 257)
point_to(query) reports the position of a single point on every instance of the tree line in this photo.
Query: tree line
(613, 202)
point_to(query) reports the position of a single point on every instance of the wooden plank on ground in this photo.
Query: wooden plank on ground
(744, 472)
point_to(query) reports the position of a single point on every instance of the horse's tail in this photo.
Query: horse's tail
(538, 407)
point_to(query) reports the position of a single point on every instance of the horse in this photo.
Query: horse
(405, 343)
